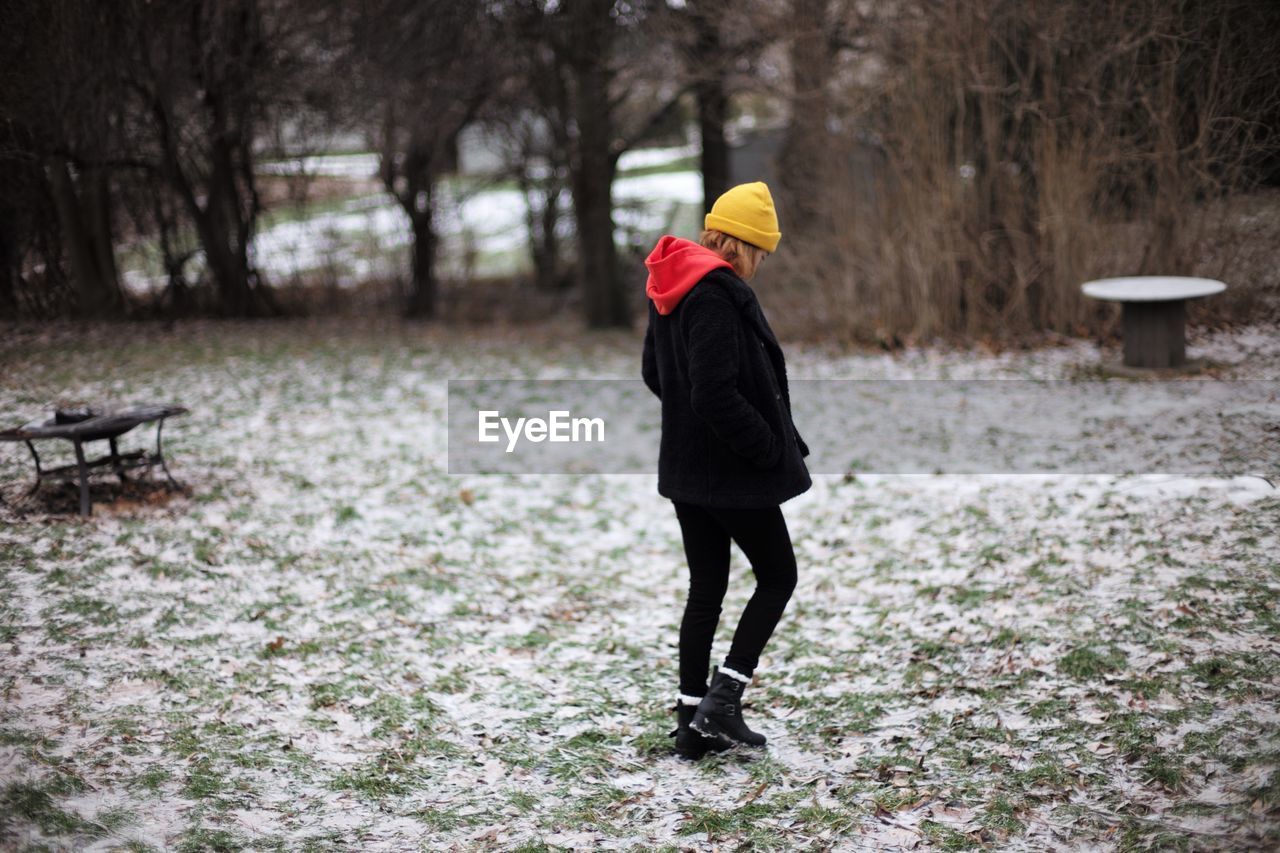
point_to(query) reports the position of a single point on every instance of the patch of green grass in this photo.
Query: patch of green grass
(1132, 733)
(1001, 817)
(944, 837)
(581, 756)
(281, 646)
(655, 742)
(31, 803)
(816, 819)
(135, 846)
(453, 681)
(1230, 674)
(718, 823)
(1150, 687)
(1086, 662)
(14, 736)
(445, 819)
(1136, 834)
(1165, 770)
(327, 693)
(523, 800)
(1045, 772)
(535, 639)
(204, 782)
(536, 847)
(514, 751)
(387, 775)
(202, 839)
(596, 808)
(1006, 637)
(150, 779)
(396, 771)
(92, 609)
(1049, 709)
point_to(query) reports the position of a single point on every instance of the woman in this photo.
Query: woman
(729, 454)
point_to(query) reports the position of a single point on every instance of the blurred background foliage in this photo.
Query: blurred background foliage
(942, 168)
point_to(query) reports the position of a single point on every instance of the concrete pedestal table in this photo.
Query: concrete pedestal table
(1155, 316)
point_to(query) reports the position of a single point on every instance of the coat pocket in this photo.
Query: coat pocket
(765, 394)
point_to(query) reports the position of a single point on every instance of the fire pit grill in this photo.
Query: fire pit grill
(83, 424)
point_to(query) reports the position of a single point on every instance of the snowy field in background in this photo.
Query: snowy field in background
(483, 230)
(333, 643)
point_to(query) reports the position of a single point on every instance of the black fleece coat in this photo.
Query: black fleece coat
(727, 435)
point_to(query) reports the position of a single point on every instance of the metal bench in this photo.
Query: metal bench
(80, 426)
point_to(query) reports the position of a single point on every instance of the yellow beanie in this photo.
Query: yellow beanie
(746, 212)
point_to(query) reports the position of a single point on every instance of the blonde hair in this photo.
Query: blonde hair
(744, 256)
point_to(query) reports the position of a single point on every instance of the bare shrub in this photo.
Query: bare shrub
(1027, 147)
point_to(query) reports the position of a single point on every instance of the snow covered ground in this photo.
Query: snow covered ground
(332, 643)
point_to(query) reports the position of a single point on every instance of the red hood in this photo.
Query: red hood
(675, 266)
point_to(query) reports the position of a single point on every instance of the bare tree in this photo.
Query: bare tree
(718, 45)
(61, 101)
(530, 114)
(815, 32)
(534, 150)
(598, 47)
(211, 78)
(200, 74)
(1029, 147)
(583, 43)
(711, 91)
(429, 68)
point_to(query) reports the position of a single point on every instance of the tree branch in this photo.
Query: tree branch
(657, 117)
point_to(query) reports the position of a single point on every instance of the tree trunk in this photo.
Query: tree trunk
(85, 229)
(542, 202)
(805, 147)
(177, 292)
(97, 205)
(548, 262)
(421, 303)
(228, 266)
(713, 111)
(417, 170)
(597, 254)
(713, 107)
(8, 275)
(226, 232)
(593, 199)
(223, 235)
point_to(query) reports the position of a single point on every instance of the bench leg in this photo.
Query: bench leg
(160, 456)
(115, 461)
(1155, 334)
(86, 507)
(39, 471)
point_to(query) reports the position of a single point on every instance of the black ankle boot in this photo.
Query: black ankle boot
(720, 713)
(690, 744)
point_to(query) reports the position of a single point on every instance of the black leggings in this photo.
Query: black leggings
(762, 535)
